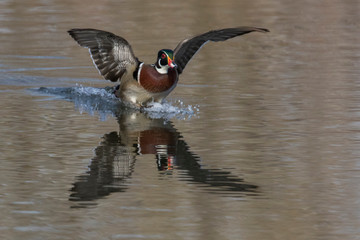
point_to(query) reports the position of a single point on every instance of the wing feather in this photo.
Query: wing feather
(112, 55)
(186, 49)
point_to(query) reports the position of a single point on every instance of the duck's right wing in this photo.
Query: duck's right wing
(112, 55)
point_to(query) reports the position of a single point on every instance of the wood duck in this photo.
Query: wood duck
(142, 83)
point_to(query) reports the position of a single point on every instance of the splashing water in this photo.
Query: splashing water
(177, 109)
(102, 101)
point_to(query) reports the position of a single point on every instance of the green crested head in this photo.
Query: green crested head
(165, 59)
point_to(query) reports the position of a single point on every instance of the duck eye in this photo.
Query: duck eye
(163, 56)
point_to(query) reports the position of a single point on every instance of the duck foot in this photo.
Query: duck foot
(116, 89)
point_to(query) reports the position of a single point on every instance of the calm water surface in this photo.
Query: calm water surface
(260, 140)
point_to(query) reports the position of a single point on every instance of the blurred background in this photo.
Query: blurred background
(263, 142)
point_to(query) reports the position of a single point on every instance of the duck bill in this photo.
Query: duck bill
(171, 63)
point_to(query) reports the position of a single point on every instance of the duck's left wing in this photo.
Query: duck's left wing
(186, 49)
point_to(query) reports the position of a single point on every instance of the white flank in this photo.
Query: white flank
(133, 99)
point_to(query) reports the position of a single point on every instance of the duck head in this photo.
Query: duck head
(165, 60)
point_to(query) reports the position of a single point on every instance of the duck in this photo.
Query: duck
(141, 83)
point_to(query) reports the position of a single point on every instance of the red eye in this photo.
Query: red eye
(163, 56)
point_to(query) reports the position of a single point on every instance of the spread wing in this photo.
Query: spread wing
(186, 49)
(111, 54)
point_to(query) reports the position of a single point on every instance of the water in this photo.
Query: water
(103, 102)
(260, 139)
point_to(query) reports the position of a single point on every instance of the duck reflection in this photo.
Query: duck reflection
(114, 162)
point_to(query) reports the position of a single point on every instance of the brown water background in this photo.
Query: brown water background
(270, 148)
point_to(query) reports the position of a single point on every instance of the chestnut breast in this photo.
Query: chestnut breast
(155, 82)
